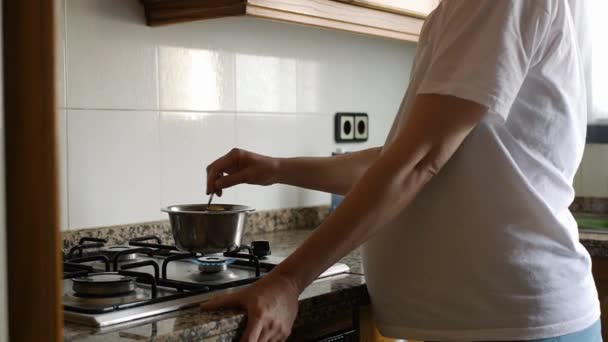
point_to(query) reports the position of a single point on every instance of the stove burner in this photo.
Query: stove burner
(104, 284)
(111, 251)
(213, 264)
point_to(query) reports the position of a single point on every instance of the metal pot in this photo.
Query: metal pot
(196, 229)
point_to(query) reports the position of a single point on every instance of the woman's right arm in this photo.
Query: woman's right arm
(336, 174)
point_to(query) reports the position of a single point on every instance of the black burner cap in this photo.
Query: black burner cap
(261, 248)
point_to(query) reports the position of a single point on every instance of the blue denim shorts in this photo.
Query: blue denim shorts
(590, 334)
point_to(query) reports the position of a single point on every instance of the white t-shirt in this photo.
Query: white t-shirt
(489, 250)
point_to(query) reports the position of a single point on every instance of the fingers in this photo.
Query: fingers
(268, 334)
(273, 328)
(272, 331)
(253, 330)
(231, 180)
(215, 170)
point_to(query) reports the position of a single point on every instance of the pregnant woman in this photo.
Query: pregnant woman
(468, 198)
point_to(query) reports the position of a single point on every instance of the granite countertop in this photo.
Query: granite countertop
(321, 301)
(596, 243)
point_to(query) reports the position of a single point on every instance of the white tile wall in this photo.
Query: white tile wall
(189, 142)
(145, 109)
(196, 79)
(113, 167)
(272, 134)
(326, 74)
(111, 56)
(60, 47)
(265, 84)
(62, 141)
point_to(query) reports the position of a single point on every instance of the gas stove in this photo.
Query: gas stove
(108, 285)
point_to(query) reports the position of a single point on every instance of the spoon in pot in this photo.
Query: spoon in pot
(213, 207)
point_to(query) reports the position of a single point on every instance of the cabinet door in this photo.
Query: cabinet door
(418, 8)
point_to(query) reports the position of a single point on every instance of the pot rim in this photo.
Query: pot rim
(173, 209)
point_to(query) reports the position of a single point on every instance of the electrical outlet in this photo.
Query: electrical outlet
(361, 127)
(349, 127)
(344, 127)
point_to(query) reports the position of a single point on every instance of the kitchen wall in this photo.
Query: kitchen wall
(592, 177)
(144, 110)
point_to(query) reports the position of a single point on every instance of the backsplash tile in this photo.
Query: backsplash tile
(274, 134)
(62, 143)
(60, 54)
(271, 134)
(189, 142)
(113, 167)
(316, 88)
(111, 56)
(194, 79)
(265, 84)
(326, 74)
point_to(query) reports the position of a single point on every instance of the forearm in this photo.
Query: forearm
(336, 174)
(383, 192)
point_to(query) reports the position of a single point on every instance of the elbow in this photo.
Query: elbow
(427, 168)
(411, 175)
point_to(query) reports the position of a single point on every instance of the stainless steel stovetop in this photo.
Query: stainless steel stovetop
(164, 279)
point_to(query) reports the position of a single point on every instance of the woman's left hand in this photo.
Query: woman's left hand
(271, 304)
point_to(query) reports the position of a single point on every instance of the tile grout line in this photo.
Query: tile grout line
(158, 125)
(235, 117)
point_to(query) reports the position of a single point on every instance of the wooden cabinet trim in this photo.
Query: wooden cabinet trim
(266, 13)
(375, 4)
(321, 13)
(163, 12)
(337, 11)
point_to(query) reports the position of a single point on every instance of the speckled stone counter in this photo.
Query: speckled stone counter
(596, 243)
(590, 205)
(320, 302)
(257, 222)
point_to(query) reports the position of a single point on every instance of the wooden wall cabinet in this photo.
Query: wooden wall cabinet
(395, 19)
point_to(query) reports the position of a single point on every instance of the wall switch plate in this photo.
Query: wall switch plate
(361, 127)
(351, 127)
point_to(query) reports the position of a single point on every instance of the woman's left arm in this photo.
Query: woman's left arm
(434, 130)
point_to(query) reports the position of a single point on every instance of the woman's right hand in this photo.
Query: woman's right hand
(238, 167)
